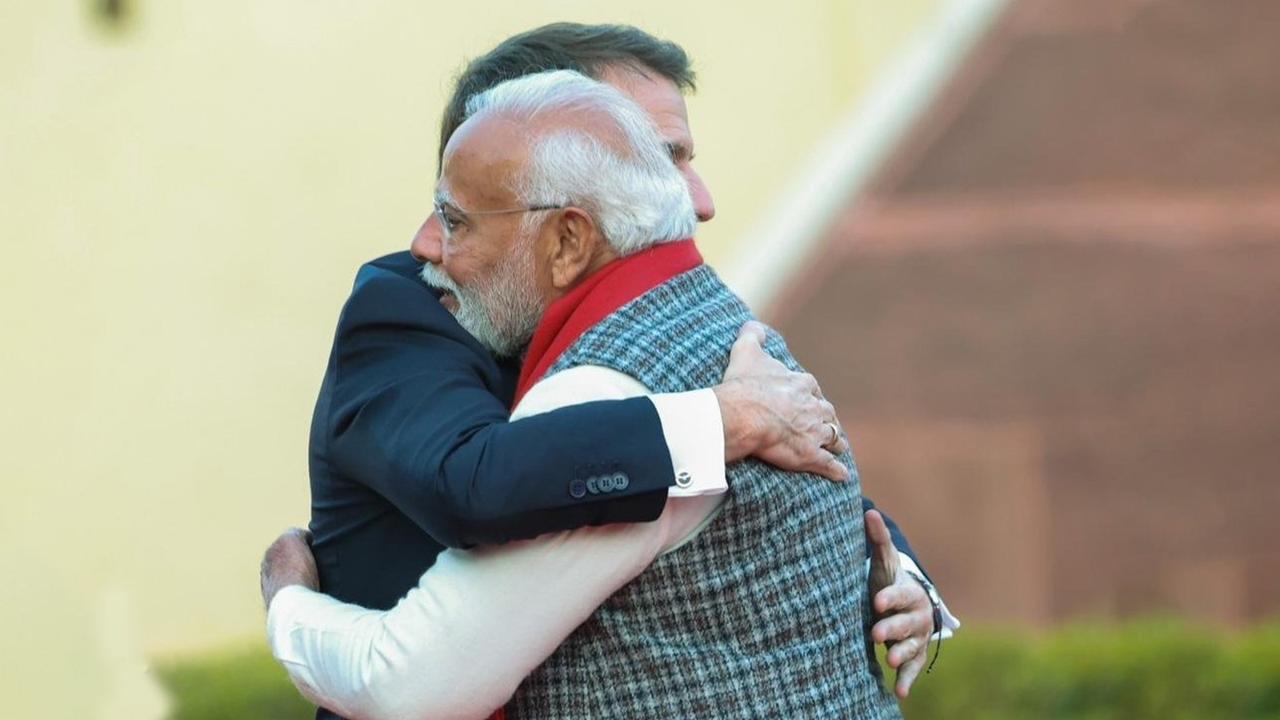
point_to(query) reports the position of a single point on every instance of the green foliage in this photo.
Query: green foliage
(242, 683)
(1154, 669)
(1161, 670)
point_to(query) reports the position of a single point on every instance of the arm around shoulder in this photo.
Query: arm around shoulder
(416, 415)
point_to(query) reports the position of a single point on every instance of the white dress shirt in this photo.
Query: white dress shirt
(479, 621)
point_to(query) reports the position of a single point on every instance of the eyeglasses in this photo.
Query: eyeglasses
(451, 216)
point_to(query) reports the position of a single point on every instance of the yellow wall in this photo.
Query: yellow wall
(183, 205)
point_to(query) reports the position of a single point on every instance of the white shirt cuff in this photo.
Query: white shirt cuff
(950, 623)
(694, 432)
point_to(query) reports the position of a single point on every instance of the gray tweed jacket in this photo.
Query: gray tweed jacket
(763, 614)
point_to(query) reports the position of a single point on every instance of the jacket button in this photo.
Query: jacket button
(577, 489)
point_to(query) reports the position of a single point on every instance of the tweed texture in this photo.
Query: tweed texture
(764, 613)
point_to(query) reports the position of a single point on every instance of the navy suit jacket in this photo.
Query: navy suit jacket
(411, 450)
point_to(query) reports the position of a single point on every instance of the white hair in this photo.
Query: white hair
(614, 165)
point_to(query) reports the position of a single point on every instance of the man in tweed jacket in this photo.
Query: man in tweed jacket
(756, 605)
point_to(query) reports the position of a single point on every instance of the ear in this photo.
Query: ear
(574, 247)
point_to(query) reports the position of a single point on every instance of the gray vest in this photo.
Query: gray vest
(762, 615)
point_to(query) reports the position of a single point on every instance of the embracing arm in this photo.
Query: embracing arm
(458, 644)
(479, 621)
(414, 413)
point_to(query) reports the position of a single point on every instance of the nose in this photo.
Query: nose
(703, 205)
(427, 245)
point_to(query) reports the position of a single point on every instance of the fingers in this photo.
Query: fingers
(836, 447)
(907, 674)
(750, 342)
(829, 467)
(904, 598)
(810, 385)
(746, 342)
(906, 635)
(832, 440)
(828, 412)
(899, 628)
(753, 330)
(896, 628)
(747, 356)
(904, 651)
(840, 447)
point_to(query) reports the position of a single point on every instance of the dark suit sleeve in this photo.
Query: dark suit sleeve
(415, 415)
(899, 538)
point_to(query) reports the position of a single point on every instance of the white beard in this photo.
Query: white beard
(501, 309)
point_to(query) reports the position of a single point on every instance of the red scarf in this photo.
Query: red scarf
(596, 298)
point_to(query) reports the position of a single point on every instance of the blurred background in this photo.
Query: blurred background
(1031, 248)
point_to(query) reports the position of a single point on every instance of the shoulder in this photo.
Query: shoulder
(388, 290)
(399, 270)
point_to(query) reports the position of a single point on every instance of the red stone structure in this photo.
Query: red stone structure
(1052, 325)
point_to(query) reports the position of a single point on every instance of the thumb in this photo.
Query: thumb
(884, 556)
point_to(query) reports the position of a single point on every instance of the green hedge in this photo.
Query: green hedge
(1157, 669)
(1160, 669)
(233, 684)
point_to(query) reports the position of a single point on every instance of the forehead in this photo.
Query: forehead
(480, 159)
(659, 97)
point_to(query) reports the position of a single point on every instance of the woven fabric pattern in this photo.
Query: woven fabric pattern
(764, 613)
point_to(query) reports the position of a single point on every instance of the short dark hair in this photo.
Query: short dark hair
(588, 49)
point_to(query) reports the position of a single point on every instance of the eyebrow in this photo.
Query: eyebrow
(442, 197)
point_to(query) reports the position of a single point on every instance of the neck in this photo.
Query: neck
(598, 292)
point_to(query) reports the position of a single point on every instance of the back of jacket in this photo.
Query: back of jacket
(762, 614)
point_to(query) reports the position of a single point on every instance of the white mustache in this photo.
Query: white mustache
(436, 278)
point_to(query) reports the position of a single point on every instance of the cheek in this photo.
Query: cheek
(466, 259)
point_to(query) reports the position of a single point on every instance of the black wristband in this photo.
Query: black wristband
(931, 593)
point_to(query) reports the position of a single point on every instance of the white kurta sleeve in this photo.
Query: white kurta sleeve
(479, 621)
(458, 644)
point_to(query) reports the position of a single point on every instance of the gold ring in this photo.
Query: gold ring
(835, 436)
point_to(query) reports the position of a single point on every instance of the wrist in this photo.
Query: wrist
(739, 430)
(935, 600)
